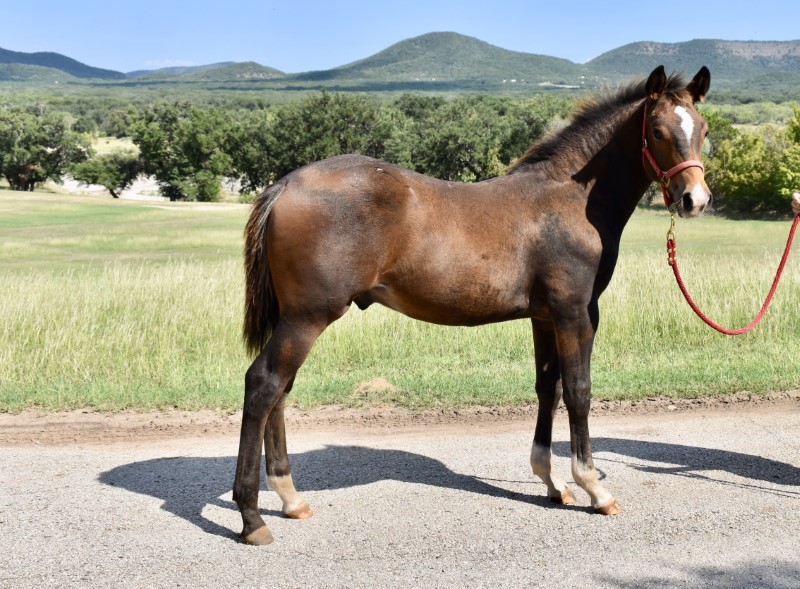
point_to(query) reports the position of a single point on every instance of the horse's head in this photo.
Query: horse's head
(672, 140)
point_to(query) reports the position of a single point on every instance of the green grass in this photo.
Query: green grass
(105, 145)
(122, 305)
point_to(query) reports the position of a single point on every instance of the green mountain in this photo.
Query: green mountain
(216, 72)
(58, 62)
(17, 72)
(449, 58)
(179, 70)
(727, 60)
(458, 63)
(243, 71)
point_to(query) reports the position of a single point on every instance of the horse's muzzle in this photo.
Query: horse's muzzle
(693, 200)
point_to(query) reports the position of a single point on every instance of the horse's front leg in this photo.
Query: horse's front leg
(575, 337)
(548, 391)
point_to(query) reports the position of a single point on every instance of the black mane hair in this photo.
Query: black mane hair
(592, 123)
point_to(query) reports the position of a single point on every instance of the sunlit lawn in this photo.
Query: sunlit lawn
(117, 304)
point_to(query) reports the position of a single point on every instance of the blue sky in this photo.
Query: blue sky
(303, 35)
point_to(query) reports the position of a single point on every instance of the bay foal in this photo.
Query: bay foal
(539, 243)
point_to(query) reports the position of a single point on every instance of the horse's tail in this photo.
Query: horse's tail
(261, 307)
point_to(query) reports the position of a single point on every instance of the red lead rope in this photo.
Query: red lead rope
(673, 262)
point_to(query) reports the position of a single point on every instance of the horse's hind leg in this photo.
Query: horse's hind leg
(279, 472)
(548, 390)
(266, 382)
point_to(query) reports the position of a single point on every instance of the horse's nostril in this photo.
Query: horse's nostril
(687, 201)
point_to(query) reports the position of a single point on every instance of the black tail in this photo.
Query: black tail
(261, 307)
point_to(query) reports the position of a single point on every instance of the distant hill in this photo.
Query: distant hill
(17, 72)
(58, 62)
(214, 73)
(179, 70)
(449, 57)
(243, 71)
(457, 63)
(727, 60)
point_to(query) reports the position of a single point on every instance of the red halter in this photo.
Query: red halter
(663, 176)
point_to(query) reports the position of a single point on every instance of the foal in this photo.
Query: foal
(539, 243)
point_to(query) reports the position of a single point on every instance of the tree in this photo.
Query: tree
(469, 138)
(115, 171)
(270, 144)
(117, 123)
(185, 148)
(788, 172)
(37, 146)
(325, 125)
(462, 141)
(252, 150)
(743, 174)
(720, 128)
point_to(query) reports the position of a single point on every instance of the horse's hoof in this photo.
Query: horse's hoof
(611, 509)
(564, 498)
(260, 537)
(302, 511)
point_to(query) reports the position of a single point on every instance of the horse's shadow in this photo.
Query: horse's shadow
(188, 484)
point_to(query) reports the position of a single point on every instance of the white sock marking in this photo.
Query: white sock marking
(284, 487)
(541, 464)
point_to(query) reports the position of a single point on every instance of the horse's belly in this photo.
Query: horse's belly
(450, 304)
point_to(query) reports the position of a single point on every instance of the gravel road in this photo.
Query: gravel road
(709, 499)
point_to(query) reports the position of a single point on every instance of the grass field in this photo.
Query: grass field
(126, 305)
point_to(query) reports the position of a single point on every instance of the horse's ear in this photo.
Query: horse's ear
(656, 83)
(698, 87)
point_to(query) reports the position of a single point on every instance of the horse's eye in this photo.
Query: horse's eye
(658, 134)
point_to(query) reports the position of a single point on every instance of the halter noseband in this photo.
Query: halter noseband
(664, 176)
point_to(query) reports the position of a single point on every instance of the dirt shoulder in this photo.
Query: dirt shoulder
(86, 426)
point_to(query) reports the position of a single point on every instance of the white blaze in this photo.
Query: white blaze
(687, 123)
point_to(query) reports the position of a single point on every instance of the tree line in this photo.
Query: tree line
(191, 149)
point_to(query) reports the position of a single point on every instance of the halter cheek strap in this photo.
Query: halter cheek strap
(664, 176)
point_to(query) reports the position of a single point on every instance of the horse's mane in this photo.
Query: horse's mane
(592, 124)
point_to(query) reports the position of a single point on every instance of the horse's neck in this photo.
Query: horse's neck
(615, 175)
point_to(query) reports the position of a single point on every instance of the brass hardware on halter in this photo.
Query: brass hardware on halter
(671, 239)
